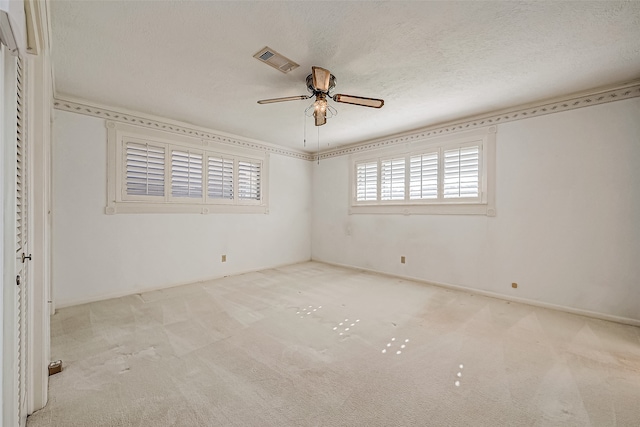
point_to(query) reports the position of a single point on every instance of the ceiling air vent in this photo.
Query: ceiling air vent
(275, 60)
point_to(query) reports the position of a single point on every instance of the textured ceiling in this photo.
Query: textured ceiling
(430, 61)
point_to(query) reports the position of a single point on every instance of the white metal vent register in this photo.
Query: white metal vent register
(275, 60)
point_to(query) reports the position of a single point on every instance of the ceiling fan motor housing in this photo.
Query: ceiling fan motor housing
(312, 89)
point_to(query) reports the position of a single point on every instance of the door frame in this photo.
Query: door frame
(39, 109)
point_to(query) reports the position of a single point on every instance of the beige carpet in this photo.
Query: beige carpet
(317, 345)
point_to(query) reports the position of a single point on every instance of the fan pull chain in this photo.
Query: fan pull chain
(318, 152)
(304, 115)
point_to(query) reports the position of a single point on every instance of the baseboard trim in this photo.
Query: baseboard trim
(566, 309)
(103, 297)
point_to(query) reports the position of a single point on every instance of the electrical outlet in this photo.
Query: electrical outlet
(224, 258)
(514, 285)
(402, 259)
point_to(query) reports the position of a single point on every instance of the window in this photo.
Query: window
(367, 181)
(423, 176)
(249, 180)
(144, 169)
(445, 175)
(156, 171)
(186, 174)
(220, 178)
(392, 179)
(461, 172)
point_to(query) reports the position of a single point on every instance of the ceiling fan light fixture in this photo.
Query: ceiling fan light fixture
(321, 103)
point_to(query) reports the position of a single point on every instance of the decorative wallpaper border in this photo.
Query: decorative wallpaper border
(77, 106)
(618, 93)
(630, 90)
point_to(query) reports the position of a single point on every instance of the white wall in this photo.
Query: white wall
(567, 228)
(97, 256)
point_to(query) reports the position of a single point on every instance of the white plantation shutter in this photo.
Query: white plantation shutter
(220, 178)
(186, 174)
(423, 176)
(151, 171)
(249, 180)
(392, 173)
(443, 175)
(367, 181)
(144, 169)
(461, 172)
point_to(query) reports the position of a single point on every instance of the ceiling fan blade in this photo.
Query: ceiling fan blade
(321, 78)
(320, 116)
(287, 98)
(359, 100)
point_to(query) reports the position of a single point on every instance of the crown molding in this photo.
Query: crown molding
(526, 111)
(556, 105)
(75, 105)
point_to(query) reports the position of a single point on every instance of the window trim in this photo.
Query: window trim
(484, 204)
(118, 134)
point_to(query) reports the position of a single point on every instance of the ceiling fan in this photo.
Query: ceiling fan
(320, 83)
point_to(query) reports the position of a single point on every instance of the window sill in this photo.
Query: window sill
(431, 209)
(146, 208)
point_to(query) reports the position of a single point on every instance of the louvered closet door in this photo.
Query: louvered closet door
(22, 249)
